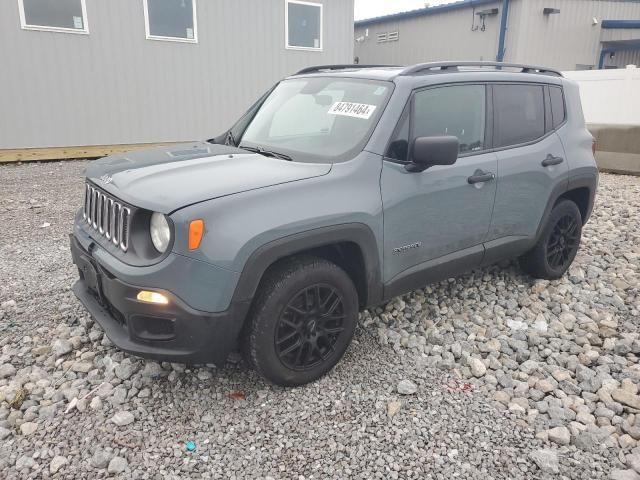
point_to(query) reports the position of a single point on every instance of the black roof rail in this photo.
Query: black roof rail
(436, 67)
(319, 68)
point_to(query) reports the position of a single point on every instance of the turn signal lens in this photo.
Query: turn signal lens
(152, 297)
(196, 231)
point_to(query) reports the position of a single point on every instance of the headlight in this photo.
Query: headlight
(160, 232)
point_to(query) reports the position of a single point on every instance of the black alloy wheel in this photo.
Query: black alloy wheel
(563, 242)
(557, 244)
(309, 327)
(301, 321)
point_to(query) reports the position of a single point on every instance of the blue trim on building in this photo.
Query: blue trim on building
(503, 30)
(424, 11)
(620, 23)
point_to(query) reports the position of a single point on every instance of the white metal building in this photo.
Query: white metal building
(562, 34)
(112, 72)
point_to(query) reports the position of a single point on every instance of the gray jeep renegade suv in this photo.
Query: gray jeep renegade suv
(342, 187)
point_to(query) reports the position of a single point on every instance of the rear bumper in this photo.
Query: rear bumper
(173, 332)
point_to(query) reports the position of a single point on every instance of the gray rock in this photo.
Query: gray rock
(82, 367)
(633, 461)
(7, 370)
(626, 398)
(406, 387)
(547, 385)
(624, 475)
(27, 428)
(560, 435)
(101, 458)
(569, 387)
(96, 403)
(152, 370)
(123, 418)
(477, 366)
(585, 441)
(9, 304)
(25, 462)
(57, 463)
(125, 369)
(546, 460)
(117, 465)
(61, 347)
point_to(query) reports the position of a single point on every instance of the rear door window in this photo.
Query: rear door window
(519, 114)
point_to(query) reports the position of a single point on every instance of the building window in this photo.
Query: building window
(171, 20)
(303, 25)
(54, 15)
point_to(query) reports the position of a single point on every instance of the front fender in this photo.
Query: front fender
(270, 253)
(246, 232)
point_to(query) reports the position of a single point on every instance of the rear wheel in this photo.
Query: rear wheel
(558, 244)
(302, 321)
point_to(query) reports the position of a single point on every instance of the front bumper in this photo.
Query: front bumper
(173, 332)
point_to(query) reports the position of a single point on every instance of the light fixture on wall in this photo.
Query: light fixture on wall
(594, 21)
(488, 12)
(550, 11)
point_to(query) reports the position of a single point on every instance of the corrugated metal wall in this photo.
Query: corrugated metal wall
(624, 58)
(561, 41)
(569, 38)
(116, 87)
(442, 36)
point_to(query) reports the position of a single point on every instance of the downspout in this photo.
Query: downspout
(603, 54)
(503, 30)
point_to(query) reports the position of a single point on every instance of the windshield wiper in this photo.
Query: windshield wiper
(267, 153)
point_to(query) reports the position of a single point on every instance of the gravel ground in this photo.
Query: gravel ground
(492, 375)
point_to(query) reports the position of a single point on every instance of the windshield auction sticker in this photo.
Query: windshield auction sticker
(357, 110)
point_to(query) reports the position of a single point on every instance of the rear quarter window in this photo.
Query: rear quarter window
(558, 110)
(519, 114)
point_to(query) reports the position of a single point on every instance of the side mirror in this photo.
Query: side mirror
(429, 151)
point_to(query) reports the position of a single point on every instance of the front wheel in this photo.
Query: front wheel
(302, 321)
(558, 244)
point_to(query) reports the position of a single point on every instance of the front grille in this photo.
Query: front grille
(107, 216)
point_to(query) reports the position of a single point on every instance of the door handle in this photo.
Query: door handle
(551, 160)
(479, 176)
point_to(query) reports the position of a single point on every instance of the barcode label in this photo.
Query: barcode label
(349, 109)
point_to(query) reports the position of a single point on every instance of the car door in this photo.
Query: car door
(437, 219)
(531, 164)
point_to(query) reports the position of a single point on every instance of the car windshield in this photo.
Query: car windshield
(317, 119)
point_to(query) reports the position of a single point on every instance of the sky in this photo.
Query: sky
(375, 8)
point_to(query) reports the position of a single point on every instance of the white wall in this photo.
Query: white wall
(610, 97)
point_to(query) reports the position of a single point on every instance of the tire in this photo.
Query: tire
(558, 244)
(302, 321)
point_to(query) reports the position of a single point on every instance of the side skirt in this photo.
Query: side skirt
(435, 270)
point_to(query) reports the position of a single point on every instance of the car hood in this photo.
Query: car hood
(166, 179)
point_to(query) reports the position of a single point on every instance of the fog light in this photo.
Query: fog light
(152, 297)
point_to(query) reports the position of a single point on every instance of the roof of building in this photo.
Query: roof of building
(424, 11)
